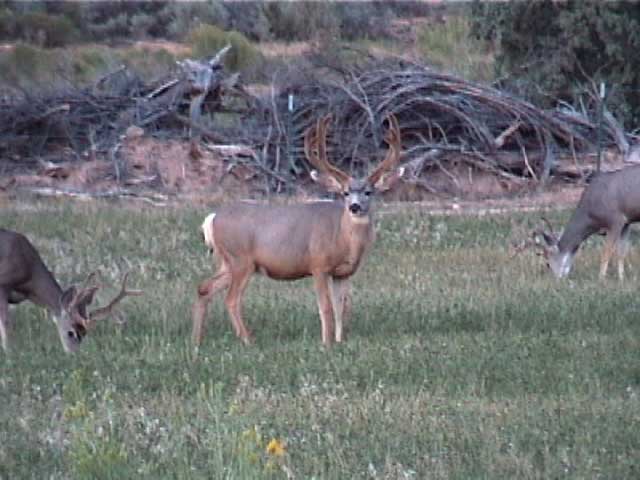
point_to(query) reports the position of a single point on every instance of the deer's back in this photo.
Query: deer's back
(18, 258)
(613, 196)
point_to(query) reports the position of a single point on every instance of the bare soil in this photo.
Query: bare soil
(168, 167)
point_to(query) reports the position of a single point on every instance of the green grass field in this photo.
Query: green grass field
(461, 363)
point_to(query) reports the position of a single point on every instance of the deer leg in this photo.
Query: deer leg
(341, 300)
(322, 283)
(613, 236)
(239, 281)
(4, 321)
(206, 291)
(622, 250)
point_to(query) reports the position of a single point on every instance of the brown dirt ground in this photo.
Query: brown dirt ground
(166, 167)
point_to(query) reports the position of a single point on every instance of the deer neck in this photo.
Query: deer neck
(46, 291)
(357, 234)
(575, 232)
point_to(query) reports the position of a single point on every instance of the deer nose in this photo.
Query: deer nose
(355, 208)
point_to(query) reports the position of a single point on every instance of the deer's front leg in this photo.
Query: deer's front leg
(341, 299)
(4, 320)
(322, 283)
(622, 250)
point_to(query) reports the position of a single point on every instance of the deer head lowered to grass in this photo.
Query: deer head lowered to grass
(609, 205)
(24, 276)
(321, 239)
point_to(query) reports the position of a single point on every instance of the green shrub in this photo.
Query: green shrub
(180, 16)
(25, 65)
(87, 63)
(7, 23)
(301, 20)
(46, 30)
(207, 40)
(448, 45)
(146, 62)
(548, 51)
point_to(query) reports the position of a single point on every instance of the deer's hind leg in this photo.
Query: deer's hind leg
(206, 291)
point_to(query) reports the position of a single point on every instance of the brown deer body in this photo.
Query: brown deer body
(326, 240)
(609, 204)
(24, 276)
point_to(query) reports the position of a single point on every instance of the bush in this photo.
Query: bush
(181, 16)
(26, 66)
(207, 40)
(88, 63)
(302, 20)
(7, 24)
(115, 27)
(550, 51)
(249, 18)
(448, 45)
(45, 30)
(146, 62)
(364, 21)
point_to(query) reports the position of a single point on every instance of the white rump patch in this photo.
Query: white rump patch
(207, 230)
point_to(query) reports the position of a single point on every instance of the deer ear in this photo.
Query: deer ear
(329, 182)
(389, 180)
(67, 296)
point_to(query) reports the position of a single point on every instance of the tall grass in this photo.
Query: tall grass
(448, 45)
(461, 362)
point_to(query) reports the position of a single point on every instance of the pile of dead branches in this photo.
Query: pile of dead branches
(444, 121)
(89, 122)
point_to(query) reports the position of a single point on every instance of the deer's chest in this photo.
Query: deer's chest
(347, 264)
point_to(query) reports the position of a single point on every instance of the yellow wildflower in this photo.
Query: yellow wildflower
(276, 448)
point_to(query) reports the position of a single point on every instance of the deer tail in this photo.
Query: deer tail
(207, 231)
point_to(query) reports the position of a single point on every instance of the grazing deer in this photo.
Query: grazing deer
(326, 240)
(24, 276)
(609, 204)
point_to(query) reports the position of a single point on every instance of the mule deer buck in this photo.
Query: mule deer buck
(326, 240)
(24, 276)
(609, 205)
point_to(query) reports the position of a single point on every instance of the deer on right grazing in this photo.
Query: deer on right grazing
(609, 204)
(326, 240)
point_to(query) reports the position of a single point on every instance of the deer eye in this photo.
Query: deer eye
(368, 193)
(346, 194)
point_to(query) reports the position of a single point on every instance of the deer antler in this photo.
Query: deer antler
(550, 227)
(90, 278)
(392, 158)
(102, 312)
(315, 148)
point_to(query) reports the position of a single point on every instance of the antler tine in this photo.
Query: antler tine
(315, 148)
(549, 226)
(520, 247)
(90, 278)
(102, 312)
(392, 158)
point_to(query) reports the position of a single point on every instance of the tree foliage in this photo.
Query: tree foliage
(561, 50)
